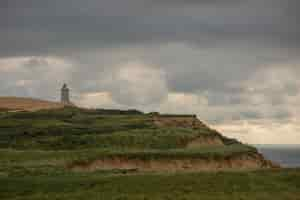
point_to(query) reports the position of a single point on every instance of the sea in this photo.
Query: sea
(284, 155)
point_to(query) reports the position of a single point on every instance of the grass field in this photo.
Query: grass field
(37, 148)
(259, 185)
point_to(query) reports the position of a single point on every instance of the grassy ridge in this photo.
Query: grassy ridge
(73, 128)
(262, 185)
(69, 128)
(21, 124)
(39, 162)
(133, 138)
(38, 141)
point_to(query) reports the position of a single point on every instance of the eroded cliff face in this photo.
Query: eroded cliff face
(237, 162)
(247, 160)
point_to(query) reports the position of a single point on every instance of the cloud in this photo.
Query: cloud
(58, 27)
(137, 84)
(36, 62)
(196, 2)
(97, 100)
(229, 62)
(262, 131)
(183, 103)
(33, 76)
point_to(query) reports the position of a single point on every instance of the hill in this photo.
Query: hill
(91, 140)
(75, 153)
(26, 104)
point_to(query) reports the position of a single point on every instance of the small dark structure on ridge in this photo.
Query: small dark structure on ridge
(65, 95)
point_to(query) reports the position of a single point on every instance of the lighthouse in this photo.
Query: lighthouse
(65, 92)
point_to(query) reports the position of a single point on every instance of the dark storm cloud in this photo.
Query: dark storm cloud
(195, 2)
(59, 27)
(207, 48)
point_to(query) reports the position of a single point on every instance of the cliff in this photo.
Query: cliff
(76, 139)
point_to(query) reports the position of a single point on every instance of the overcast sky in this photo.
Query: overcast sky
(234, 63)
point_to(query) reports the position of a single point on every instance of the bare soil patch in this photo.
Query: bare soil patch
(240, 162)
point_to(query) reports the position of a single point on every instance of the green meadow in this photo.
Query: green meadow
(36, 149)
(259, 185)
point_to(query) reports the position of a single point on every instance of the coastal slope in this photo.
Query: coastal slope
(76, 139)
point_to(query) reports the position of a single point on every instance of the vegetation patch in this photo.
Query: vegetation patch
(41, 152)
(271, 184)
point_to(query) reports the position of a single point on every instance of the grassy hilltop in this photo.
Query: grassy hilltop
(78, 136)
(28, 104)
(73, 153)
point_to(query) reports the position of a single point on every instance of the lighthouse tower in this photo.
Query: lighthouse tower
(65, 92)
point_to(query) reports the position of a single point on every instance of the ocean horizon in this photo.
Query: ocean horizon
(284, 155)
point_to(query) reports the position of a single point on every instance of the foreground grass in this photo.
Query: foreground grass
(264, 185)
